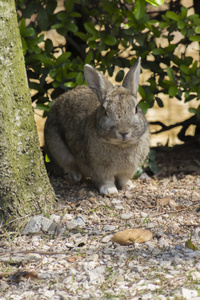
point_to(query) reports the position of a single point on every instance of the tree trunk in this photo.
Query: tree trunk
(24, 185)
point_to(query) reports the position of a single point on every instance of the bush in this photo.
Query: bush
(99, 33)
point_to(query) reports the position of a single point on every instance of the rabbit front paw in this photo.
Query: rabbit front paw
(108, 189)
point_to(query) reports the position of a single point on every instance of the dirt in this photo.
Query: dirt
(85, 263)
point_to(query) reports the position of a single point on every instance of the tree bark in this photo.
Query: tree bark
(24, 185)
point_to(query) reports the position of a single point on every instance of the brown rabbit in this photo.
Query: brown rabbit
(99, 131)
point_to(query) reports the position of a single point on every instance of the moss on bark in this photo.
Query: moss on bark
(24, 185)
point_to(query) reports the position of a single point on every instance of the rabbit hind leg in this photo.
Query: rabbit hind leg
(63, 157)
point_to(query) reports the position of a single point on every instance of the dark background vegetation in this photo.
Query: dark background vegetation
(99, 32)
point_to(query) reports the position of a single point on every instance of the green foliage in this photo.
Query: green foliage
(109, 34)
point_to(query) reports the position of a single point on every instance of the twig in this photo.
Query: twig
(33, 251)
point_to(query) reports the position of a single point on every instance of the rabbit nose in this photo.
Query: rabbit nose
(124, 135)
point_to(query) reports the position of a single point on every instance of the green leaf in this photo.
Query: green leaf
(89, 57)
(181, 24)
(69, 6)
(185, 69)
(48, 46)
(22, 26)
(109, 40)
(75, 15)
(173, 90)
(120, 75)
(190, 245)
(195, 38)
(192, 110)
(159, 102)
(62, 58)
(144, 106)
(57, 26)
(79, 78)
(28, 32)
(142, 92)
(70, 84)
(89, 27)
(158, 51)
(52, 73)
(153, 167)
(155, 2)
(197, 29)
(139, 9)
(72, 27)
(42, 18)
(170, 73)
(194, 67)
(81, 35)
(172, 15)
(47, 160)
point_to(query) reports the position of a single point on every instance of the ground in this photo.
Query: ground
(80, 261)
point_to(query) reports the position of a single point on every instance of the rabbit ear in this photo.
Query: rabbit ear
(97, 82)
(131, 81)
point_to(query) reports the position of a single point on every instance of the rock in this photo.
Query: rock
(119, 207)
(195, 276)
(108, 228)
(143, 214)
(126, 216)
(71, 225)
(55, 218)
(131, 236)
(106, 239)
(36, 224)
(67, 217)
(79, 221)
(188, 294)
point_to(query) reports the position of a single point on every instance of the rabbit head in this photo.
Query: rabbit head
(119, 120)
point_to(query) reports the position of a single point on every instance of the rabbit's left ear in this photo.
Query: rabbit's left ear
(97, 82)
(131, 81)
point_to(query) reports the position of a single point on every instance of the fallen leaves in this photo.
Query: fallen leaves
(131, 236)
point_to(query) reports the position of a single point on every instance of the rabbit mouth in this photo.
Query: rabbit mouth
(122, 141)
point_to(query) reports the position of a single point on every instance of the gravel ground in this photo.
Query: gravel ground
(76, 258)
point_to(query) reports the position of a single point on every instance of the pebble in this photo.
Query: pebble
(109, 228)
(119, 207)
(126, 216)
(143, 214)
(116, 201)
(36, 224)
(71, 225)
(106, 239)
(195, 276)
(80, 221)
(189, 294)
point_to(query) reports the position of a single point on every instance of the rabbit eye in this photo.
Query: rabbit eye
(106, 113)
(136, 109)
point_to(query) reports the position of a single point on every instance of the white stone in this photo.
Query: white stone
(189, 294)
(195, 275)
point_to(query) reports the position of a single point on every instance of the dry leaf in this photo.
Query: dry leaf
(71, 259)
(131, 236)
(17, 276)
(164, 201)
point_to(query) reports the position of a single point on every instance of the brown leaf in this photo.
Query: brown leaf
(71, 259)
(164, 201)
(131, 236)
(17, 276)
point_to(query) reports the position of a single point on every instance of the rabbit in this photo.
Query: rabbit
(98, 131)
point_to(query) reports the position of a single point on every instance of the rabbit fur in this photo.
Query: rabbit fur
(98, 131)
